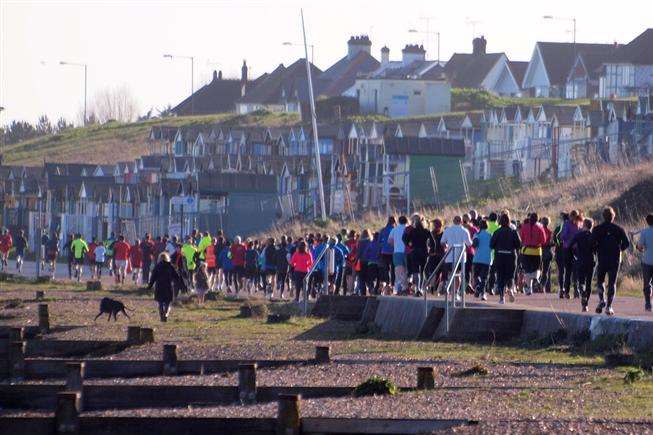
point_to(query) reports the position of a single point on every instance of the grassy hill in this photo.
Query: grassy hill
(114, 141)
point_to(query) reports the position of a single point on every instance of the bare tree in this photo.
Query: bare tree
(113, 104)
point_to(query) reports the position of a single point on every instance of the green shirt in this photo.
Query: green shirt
(189, 251)
(79, 248)
(204, 243)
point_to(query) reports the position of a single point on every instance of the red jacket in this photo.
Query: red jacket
(121, 250)
(532, 235)
(210, 256)
(6, 242)
(136, 258)
(237, 255)
(301, 262)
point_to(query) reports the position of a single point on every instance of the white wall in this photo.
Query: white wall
(423, 96)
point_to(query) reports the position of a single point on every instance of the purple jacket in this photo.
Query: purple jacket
(568, 232)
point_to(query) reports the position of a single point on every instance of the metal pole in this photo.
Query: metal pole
(438, 48)
(85, 90)
(192, 85)
(318, 163)
(38, 240)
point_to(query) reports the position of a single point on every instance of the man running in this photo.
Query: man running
(6, 242)
(583, 246)
(645, 246)
(20, 244)
(610, 240)
(121, 258)
(456, 236)
(78, 248)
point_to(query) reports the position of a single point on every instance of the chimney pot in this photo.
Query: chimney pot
(479, 45)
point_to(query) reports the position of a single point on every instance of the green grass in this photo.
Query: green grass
(101, 143)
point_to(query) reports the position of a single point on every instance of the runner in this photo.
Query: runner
(395, 239)
(100, 259)
(237, 251)
(419, 239)
(482, 260)
(301, 262)
(78, 249)
(20, 246)
(6, 243)
(149, 250)
(456, 236)
(533, 238)
(52, 252)
(121, 258)
(387, 268)
(583, 247)
(645, 246)
(547, 256)
(569, 230)
(436, 253)
(189, 254)
(136, 262)
(610, 240)
(505, 243)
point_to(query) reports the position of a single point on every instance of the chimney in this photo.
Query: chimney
(479, 45)
(215, 75)
(411, 53)
(385, 55)
(220, 75)
(357, 44)
(243, 78)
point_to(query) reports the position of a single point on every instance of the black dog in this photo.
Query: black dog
(113, 307)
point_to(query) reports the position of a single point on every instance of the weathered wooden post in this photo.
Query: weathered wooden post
(247, 383)
(134, 334)
(322, 354)
(44, 319)
(288, 414)
(93, 285)
(147, 335)
(75, 372)
(67, 412)
(425, 378)
(17, 359)
(40, 295)
(16, 334)
(169, 359)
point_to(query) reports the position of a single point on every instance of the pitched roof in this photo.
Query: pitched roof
(559, 57)
(518, 69)
(283, 84)
(639, 51)
(417, 69)
(466, 70)
(341, 75)
(217, 96)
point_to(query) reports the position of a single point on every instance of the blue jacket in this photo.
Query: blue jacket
(372, 253)
(224, 261)
(339, 256)
(316, 253)
(483, 253)
(386, 248)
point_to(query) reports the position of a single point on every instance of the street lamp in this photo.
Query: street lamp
(61, 62)
(428, 33)
(572, 19)
(291, 44)
(192, 74)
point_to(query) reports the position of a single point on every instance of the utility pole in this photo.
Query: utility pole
(318, 163)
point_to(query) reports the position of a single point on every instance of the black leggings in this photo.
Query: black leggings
(506, 265)
(611, 271)
(298, 280)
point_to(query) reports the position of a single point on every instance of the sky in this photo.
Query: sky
(123, 42)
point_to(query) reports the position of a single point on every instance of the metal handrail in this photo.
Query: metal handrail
(454, 268)
(308, 276)
(431, 277)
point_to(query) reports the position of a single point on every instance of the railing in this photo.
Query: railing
(428, 281)
(458, 262)
(308, 276)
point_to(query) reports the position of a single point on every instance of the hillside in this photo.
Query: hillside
(111, 142)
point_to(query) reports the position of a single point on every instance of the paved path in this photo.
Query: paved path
(624, 306)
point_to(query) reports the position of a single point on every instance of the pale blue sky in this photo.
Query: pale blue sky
(123, 42)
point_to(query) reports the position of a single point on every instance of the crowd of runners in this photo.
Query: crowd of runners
(501, 255)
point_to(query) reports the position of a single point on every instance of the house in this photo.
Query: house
(583, 80)
(629, 71)
(410, 87)
(339, 78)
(482, 70)
(550, 64)
(282, 90)
(217, 96)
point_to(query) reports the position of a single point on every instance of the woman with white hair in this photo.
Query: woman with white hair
(164, 276)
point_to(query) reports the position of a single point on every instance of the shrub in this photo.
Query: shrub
(376, 386)
(634, 375)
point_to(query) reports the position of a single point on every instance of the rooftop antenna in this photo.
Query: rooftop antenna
(473, 23)
(318, 163)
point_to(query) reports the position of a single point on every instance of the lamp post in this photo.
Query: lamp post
(192, 79)
(85, 80)
(291, 44)
(428, 33)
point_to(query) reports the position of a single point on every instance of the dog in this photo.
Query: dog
(112, 307)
